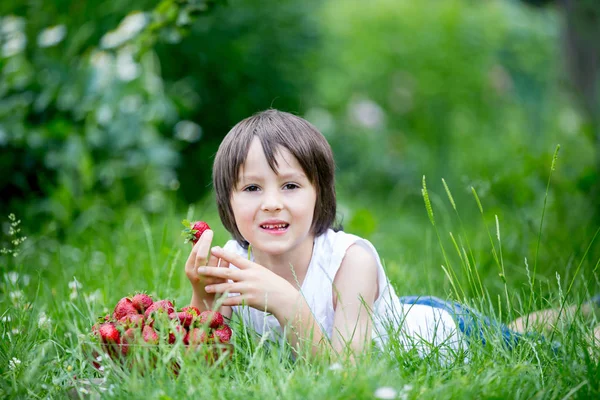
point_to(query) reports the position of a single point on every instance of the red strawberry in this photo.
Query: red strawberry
(196, 336)
(222, 334)
(177, 331)
(149, 335)
(109, 333)
(193, 230)
(123, 308)
(141, 302)
(184, 318)
(132, 321)
(110, 338)
(160, 306)
(191, 310)
(214, 319)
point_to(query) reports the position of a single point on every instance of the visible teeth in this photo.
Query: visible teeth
(276, 226)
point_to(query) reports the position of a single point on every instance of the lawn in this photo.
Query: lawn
(59, 283)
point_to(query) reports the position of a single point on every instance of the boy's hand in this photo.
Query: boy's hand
(258, 287)
(199, 257)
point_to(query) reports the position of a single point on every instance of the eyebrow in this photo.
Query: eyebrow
(291, 176)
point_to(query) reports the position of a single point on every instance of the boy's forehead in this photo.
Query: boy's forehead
(256, 164)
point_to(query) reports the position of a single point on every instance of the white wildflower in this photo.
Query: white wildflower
(14, 363)
(44, 321)
(93, 297)
(6, 318)
(336, 367)
(12, 277)
(16, 296)
(15, 331)
(385, 392)
(52, 36)
(73, 295)
(83, 390)
(75, 284)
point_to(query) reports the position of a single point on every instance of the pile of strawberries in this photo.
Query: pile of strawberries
(138, 320)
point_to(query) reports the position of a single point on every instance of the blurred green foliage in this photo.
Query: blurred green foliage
(468, 91)
(115, 103)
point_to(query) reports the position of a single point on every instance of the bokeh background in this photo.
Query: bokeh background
(111, 108)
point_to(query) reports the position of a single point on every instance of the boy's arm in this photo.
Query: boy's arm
(355, 289)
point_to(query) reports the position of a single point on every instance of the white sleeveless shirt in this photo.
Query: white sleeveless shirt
(416, 326)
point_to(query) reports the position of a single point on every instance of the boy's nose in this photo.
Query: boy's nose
(271, 202)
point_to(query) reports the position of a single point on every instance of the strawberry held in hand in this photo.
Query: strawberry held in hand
(193, 230)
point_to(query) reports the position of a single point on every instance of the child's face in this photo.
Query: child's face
(273, 211)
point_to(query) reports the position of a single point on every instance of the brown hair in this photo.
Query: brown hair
(276, 128)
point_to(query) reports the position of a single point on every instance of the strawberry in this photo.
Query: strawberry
(132, 321)
(149, 335)
(110, 338)
(222, 334)
(193, 230)
(109, 334)
(177, 331)
(191, 310)
(196, 336)
(184, 318)
(160, 306)
(214, 319)
(141, 302)
(123, 308)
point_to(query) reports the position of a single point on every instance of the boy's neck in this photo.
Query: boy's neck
(291, 266)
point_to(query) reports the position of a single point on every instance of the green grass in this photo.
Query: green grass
(53, 290)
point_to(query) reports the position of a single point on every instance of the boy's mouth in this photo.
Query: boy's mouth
(276, 227)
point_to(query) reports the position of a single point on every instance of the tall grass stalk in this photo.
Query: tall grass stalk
(471, 266)
(448, 270)
(539, 238)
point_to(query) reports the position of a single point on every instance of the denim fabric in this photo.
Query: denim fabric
(470, 322)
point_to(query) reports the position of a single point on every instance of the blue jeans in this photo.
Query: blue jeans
(470, 322)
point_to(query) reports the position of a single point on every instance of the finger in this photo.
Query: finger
(237, 300)
(232, 258)
(217, 272)
(213, 261)
(226, 287)
(202, 247)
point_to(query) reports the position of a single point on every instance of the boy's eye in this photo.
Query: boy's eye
(251, 188)
(290, 186)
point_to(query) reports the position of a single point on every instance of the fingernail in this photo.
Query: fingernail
(201, 270)
(216, 248)
(207, 289)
